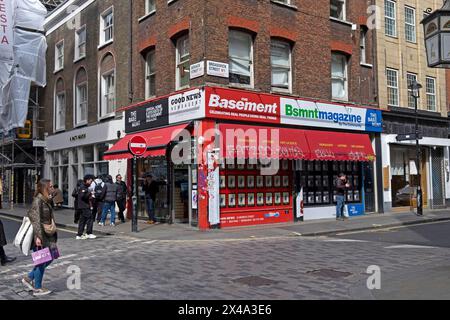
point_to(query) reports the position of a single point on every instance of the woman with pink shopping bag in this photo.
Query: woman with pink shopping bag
(45, 238)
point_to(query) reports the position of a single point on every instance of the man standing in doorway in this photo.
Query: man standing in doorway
(341, 187)
(121, 197)
(151, 189)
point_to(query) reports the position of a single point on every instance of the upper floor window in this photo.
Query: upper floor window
(280, 57)
(81, 95)
(60, 106)
(183, 66)
(150, 6)
(339, 80)
(337, 9)
(150, 75)
(362, 45)
(80, 43)
(410, 79)
(107, 87)
(107, 26)
(390, 18)
(241, 58)
(59, 56)
(410, 24)
(392, 85)
(431, 93)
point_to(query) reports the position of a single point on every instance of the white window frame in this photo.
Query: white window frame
(431, 94)
(59, 56)
(345, 78)
(77, 54)
(362, 46)
(103, 108)
(289, 87)
(58, 124)
(103, 28)
(77, 103)
(179, 62)
(412, 25)
(392, 87)
(149, 74)
(148, 7)
(410, 97)
(252, 59)
(390, 18)
(344, 10)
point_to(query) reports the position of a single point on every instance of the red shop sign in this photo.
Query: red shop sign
(242, 105)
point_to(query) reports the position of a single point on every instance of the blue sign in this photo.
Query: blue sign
(355, 210)
(374, 120)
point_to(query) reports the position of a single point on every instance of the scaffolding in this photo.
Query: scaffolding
(51, 5)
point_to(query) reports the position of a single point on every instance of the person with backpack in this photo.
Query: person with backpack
(97, 190)
(3, 258)
(84, 206)
(75, 193)
(110, 197)
(121, 196)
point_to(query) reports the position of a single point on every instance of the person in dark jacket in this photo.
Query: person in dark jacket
(84, 206)
(75, 193)
(96, 188)
(3, 258)
(151, 189)
(109, 205)
(341, 187)
(121, 196)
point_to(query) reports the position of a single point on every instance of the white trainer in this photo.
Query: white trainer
(91, 236)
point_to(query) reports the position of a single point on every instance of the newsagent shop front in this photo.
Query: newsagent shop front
(252, 158)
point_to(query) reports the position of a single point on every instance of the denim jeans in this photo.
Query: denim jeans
(109, 206)
(150, 208)
(37, 274)
(340, 206)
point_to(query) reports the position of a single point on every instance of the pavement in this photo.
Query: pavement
(183, 232)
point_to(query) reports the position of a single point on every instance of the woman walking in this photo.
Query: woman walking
(45, 236)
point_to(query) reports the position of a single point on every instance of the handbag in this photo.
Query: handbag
(50, 229)
(24, 236)
(42, 256)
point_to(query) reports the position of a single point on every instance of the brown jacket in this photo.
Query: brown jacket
(41, 212)
(58, 197)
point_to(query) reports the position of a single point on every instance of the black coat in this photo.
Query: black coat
(2, 235)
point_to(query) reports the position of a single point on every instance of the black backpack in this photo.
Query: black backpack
(98, 191)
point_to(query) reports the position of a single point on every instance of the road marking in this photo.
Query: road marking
(409, 246)
(150, 242)
(344, 240)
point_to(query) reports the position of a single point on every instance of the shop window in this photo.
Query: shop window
(88, 154)
(150, 75)
(390, 20)
(339, 83)
(280, 58)
(410, 79)
(241, 58)
(337, 9)
(183, 66)
(431, 93)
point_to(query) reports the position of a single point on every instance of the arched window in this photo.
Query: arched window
(81, 97)
(107, 86)
(60, 106)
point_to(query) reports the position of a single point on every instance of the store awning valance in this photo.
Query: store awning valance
(256, 142)
(157, 141)
(340, 146)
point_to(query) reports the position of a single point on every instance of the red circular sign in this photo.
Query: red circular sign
(137, 145)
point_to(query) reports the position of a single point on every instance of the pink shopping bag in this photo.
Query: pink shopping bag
(41, 257)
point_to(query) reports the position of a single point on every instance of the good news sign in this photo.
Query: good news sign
(6, 30)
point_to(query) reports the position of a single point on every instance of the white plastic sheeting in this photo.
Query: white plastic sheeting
(26, 65)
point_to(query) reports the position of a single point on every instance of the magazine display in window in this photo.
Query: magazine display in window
(241, 199)
(335, 196)
(284, 165)
(269, 199)
(241, 166)
(349, 196)
(223, 203)
(268, 181)
(250, 166)
(335, 166)
(241, 182)
(356, 196)
(310, 182)
(231, 182)
(260, 200)
(251, 199)
(277, 181)
(349, 166)
(231, 166)
(286, 199)
(317, 166)
(310, 197)
(278, 198)
(342, 166)
(260, 181)
(318, 181)
(250, 181)
(222, 182)
(285, 181)
(325, 183)
(326, 197)
(232, 200)
(319, 197)
(310, 166)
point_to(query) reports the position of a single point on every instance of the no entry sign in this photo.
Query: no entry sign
(137, 145)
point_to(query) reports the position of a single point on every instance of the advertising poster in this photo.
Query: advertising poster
(213, 188)
(186, 106)
(152, 114)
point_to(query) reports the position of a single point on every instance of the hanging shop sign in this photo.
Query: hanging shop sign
(147, 116)
(315, 114)
(186, 106)
(218, 69)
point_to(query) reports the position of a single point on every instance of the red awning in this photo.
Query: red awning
(157, 141)
(244, 142)
(339, 146)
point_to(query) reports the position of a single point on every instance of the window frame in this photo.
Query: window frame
(149, 74)
(394, 19)
(103, 15)
(428, 94)
(103, 114)
(363, 46)
(147, 7)
(272, 66)
(410, 91)
(179, 62)
(78, 44)
(58, 56)
(345, 78)
(251, 61)
(77, 103)
(57, 110)
(344, 10)
(414, 26)
(391, 87)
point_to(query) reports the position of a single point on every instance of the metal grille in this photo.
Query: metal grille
(437, 178)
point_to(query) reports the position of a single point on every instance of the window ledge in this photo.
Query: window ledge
(182, 88)
(241, 86)
(79, 59)
(343, 100)
(280, 90)
(108, 116)
(391, 37)
(290, 6)
(146, 16)
(171, 1)
(105, 44)
(348, 23)
(367, 65)
(59, 130)
(58, 70)
(81, 124)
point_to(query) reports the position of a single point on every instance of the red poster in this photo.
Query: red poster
(242, 105)
(256, 217)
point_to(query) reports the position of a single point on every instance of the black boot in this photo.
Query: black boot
(4, 259)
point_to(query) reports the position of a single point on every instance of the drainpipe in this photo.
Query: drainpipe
(130, 54)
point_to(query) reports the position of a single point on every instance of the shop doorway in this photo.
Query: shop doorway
(180, 205)
(437, 177)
